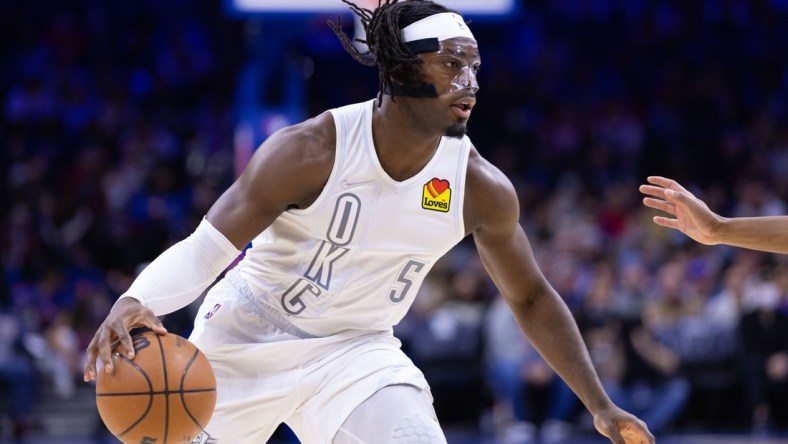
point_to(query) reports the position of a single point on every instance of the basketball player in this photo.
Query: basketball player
(347, 212)
(694, 218)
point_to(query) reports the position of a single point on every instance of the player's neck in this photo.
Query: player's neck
(402, 148)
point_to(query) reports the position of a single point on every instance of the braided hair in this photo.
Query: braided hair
(396, 63)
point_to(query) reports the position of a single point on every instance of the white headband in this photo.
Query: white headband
(445, 25)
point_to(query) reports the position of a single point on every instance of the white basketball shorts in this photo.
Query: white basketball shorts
(266, 376)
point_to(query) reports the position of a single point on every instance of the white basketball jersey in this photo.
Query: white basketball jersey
(356, 257)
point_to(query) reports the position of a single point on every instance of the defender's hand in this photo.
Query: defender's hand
(691, 215)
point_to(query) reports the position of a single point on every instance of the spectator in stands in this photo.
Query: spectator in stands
(764, 334)
(725, 307)
(517, 376)
(17, 376)
(652, 383)
(444, 338)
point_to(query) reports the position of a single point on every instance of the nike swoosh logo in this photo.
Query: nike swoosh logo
(348, 184)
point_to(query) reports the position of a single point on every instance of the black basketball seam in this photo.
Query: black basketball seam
(150, 395)
(166, 390)
(183, 401)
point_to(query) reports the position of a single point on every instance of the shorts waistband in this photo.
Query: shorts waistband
(261, 309)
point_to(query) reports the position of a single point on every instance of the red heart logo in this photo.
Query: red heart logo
(437, 186)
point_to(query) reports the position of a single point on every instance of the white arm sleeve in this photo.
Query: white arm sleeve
(183, 271)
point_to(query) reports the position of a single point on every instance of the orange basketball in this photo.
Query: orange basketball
(165, 395)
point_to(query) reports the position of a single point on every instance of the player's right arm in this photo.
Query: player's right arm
(289, 170)
(693, 217)
(492, 214)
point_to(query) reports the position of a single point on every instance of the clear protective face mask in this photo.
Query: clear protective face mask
(465, 79)
(459, 60)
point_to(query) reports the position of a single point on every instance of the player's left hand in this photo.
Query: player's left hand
(622, 427)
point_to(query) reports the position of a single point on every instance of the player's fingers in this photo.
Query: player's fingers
(666, 222)
(637, 433)
(651, 190)
(663, 182)
(155, 324)
(90, 364)
(660, 205)
(648, 438)
(104, 345)
(124, 337)
(683, 197)
(668, 184)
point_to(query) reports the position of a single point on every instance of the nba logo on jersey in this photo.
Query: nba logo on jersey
(437, 195)
(213, 311)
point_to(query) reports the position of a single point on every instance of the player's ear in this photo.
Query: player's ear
(396, 77)
(405, 75)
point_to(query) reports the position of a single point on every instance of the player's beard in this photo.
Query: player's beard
(456, 131)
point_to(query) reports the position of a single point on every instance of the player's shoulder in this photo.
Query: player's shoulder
(488, 193)
(483, 177)
(316, 133)
(306, 147)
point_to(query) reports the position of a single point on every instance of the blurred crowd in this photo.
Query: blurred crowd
(117, 133)
(116, 136)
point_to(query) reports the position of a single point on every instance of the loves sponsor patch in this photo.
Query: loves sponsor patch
(437, 195)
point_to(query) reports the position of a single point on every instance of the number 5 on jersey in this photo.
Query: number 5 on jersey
(408, 275)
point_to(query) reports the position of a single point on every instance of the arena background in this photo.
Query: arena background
(123, 121)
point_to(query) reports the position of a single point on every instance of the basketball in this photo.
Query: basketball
(165, 395)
